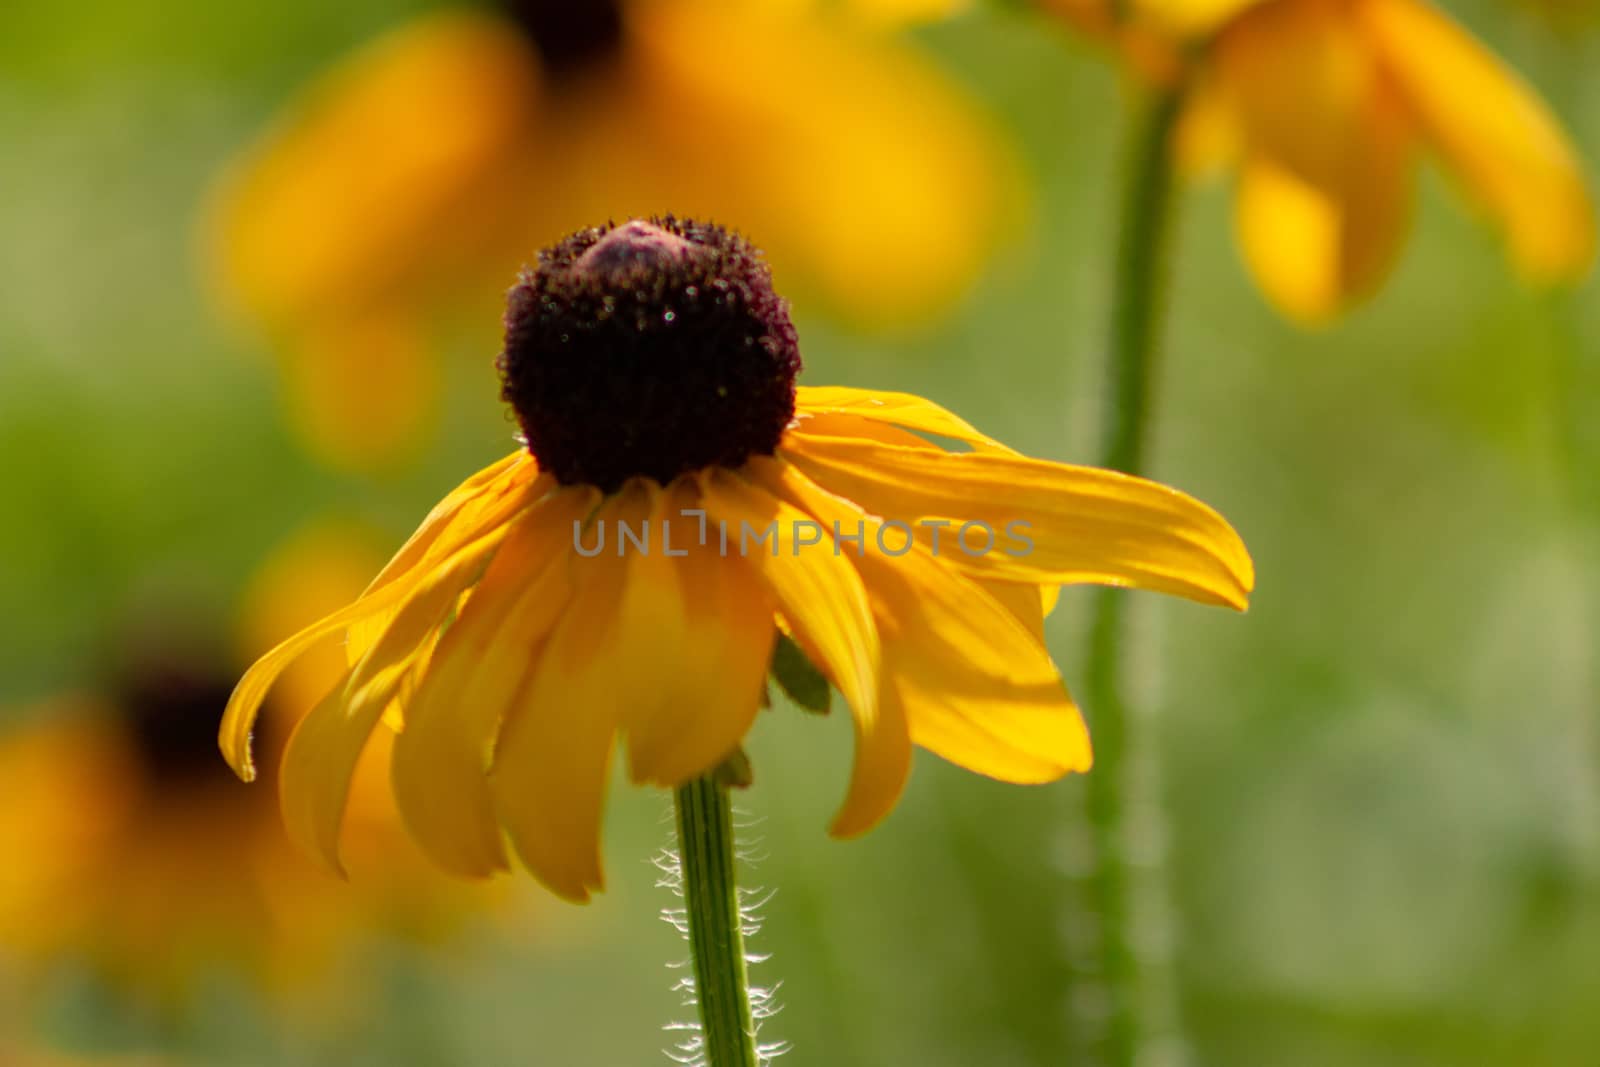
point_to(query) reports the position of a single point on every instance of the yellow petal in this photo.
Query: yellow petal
(238, 720)
(553, 758)
(322, 753)
(882, 766)
(1317, 246)
(1192, 18)
(976, 685)
(1494, 132)
(883, 745)
(1052, 524)
(377, 677)
(441, 759)
(1027, 605)
(378, 605)
(697, 635)
(315, 572)
(1026, 735)
(893, 409)
(882, 762)
(1298, 77)
(819, 592)
(1208, 138)
(482, 503)
(312, 787)
(848, 424)
(458, 515)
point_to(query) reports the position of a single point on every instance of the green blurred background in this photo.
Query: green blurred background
(1384, 781)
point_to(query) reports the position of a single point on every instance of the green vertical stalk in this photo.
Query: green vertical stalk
(716, 938)
(1140, 279)
(1114, 1024)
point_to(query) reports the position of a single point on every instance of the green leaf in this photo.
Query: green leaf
(798, 678)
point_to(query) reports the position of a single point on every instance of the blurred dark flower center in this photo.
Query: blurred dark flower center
(651, 348)
(569, 33)
(172, 710)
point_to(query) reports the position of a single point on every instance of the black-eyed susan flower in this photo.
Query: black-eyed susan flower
(680, 503)
(416, 173)
(1323, 108)
(134, 852)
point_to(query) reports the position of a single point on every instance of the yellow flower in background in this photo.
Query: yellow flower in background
(517, 636)
(134, 851)
(13, 1054)
(416, 173)
(1324, 106)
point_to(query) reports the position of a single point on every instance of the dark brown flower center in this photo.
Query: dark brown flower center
(569, 34)
(651, 348)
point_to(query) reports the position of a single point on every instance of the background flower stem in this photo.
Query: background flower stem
(1121, 985)
(716, 936)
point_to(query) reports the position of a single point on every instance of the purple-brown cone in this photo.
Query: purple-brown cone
(651, 348)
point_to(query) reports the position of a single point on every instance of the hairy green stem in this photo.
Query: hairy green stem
(716, 938)
(1112, 1020)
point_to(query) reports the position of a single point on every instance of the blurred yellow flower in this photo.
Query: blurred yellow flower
(135, 851)
(16, 1055)
(1321, 107)
(652, 369)
(419, 170)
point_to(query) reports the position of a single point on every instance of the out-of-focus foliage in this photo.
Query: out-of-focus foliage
(1385, 778)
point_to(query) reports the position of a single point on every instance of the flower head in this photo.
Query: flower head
(681, 504)
(152, 865)
(1322, 108)
(416, 174)
(650, 349)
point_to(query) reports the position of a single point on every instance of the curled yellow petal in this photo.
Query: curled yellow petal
(882, 766)
(322, 753)
(1038, 522)
(238, 720)
(316, 571)
(1494, 132)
